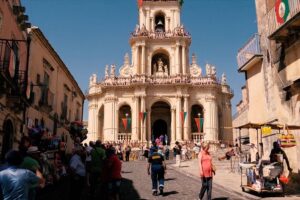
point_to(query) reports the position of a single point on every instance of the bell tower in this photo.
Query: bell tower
(160, 44)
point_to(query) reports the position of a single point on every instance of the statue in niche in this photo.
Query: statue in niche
(166, 70)
(224, 79)
(160, 68)
(106, 71)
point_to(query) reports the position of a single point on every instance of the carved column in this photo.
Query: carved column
(143, 59)
(143, 122)
(116, 125)
(186, 109)
(135, 120)
(152, 24)
(136, 59)
(211, 119)
(177, 55)
(148, 126)
(173, 126)
(148, 20)
(92, 122)
(178, 120)
(183, 59)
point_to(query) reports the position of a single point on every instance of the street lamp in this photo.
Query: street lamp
(199, 115)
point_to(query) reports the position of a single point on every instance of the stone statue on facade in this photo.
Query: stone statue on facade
(213, 71)
(93, 79)
(208, 69)
(224, 79)
(160, 68)
(112, 71)
(166, 70)
(195, 69)
(137, 29)
(126, 70)
(106, 72)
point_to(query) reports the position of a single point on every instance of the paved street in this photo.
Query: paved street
(137, 185)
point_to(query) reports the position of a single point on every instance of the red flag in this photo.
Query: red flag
(141, 115)
(124, 120)
(140, 3)
(182, 117)
(197, 120)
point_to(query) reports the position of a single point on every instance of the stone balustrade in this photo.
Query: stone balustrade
(155, 80)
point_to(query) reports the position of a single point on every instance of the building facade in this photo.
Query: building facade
(271, 63)
(14, 44)
(56, 98)
(159, 91)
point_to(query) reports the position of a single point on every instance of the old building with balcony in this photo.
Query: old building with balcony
(14, 45)
(270, 61)
(56, 99)
(159, 92)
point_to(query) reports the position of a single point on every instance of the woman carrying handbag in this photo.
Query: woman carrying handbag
(207, 170)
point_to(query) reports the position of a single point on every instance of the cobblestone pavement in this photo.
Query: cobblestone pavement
(137, 185)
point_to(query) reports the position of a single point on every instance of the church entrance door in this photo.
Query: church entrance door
(161, 121)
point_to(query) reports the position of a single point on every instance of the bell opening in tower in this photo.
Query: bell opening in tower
(160, 22)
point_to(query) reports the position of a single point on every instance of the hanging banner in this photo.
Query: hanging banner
(266, 130)
(197, 120)
(141, 115)
(126, 122)
(145, 115)
(140, 3)
(201, 123)
(183, 116)
(282, 10)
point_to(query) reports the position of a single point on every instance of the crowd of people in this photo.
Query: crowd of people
(90, 172)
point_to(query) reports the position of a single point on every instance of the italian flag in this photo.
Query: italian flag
(282, 10)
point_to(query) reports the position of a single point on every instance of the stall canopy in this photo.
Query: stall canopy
(258, 126)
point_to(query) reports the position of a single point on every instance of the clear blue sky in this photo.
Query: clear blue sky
(88, 34)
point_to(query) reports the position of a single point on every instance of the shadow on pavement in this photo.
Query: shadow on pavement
(124, 172)
(128, 192)
(170, 179)
(169, 193)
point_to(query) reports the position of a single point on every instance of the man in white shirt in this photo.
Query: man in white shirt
(253, 153)
(78, 174)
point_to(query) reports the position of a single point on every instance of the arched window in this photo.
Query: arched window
(160, 22)
(125, 119)
(197, 119)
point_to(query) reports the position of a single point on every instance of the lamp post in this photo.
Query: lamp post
(126, 114)
(199, 115)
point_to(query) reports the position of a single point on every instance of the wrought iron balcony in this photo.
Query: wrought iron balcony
(46, 101)
(284, 19)
(250, 54)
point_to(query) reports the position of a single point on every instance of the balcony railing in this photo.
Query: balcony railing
(47, 99)
(275, 25)
(177, 32)
(250, 50)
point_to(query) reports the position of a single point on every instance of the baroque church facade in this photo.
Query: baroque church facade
(160, 91)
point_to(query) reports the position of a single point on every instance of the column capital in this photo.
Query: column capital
(186, 96)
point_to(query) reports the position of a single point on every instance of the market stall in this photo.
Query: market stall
(266, 176)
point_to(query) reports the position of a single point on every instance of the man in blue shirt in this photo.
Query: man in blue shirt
(158, 167)
(15, 182)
